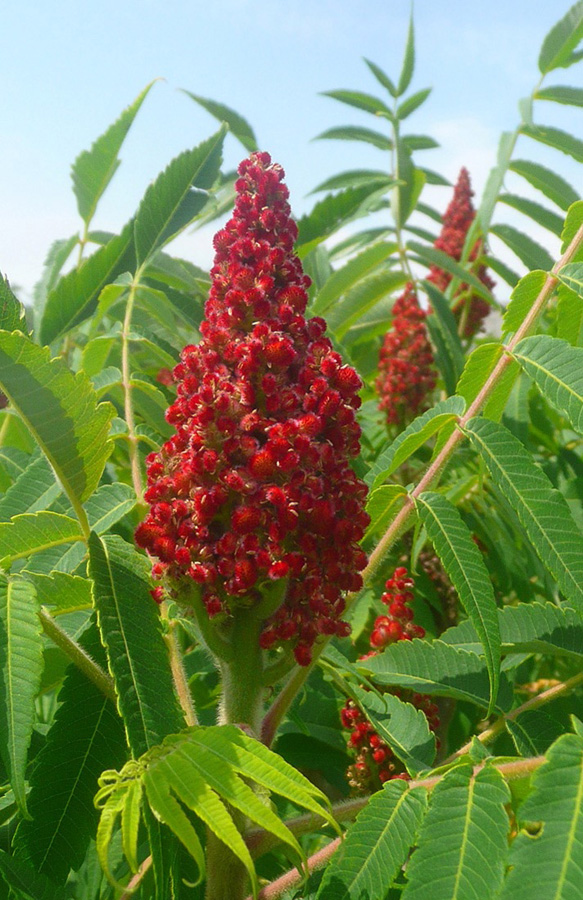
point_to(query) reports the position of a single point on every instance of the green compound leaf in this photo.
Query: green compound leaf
(573, 222)
(528, 628)
(479, 366)
(238, 126)
(177, 195)
(21, 666)
(93, 169)
(554, 137)
(535, 211)
(467, 572)
(380, 506)
(557, 369)
(403, 727)
(109, 504)
(352, 272)
(572, 277)
(562, 40)
(570, 96)
(522, 299)
(355, 178)
(61, 412)
(74, 297)
(463, 842)
(355, 133)
(85, 738)
(376, 846)
(548, 182)
(138, 660)
(414, 436)
(412, 103)
(569, 316)
(360, 100)
(541, 509)
(432, 256)
(33, 532)
(432, 668)
(382, 77)
(57, 256)
(27, 884)
(61, 591)
(202, 769)
(12, 317)
(548, 850)
(329, 214)
(526, 249)
(533, 731)
(442, 329)
(408, 66)
(33, 490)
(360, 298)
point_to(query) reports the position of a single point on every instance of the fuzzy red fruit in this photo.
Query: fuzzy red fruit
(265, 430)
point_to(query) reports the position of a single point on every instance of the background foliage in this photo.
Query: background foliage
(104, 695)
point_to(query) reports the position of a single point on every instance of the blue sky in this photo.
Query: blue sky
(68, 67)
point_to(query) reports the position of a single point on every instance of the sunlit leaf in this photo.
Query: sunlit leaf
(462, 845)
(548, 182)
(376, 846)
(548, 849)
(541, 509)
(93, 169)
(561, 40)
(21, 665)
(86, 737)
(355, 133)
(176, 195)
(413, 437)
(528, 628)
(467, 571)
(557, 369)
(400, 725)
(556, 138)
(435, 668)
(74, 297)
(539, 214)
(353, 271)
(570, 96)
(238, 126)
(532, 254)
(138, 659)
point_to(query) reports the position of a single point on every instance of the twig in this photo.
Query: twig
(135, 881)
(178, 673)
(127, 391)
(78, 655)
(557, 690)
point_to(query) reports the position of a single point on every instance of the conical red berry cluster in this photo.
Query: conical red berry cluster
(406, 366)
(256, 484)
(375, 762)
(406, 370)
(457, 219)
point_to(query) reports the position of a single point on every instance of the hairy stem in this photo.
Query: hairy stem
(134, 882)
(77, 655)
(241, 704)
(127, 392)
(178, 673)
(487, 736)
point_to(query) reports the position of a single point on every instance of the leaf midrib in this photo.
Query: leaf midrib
(571, 836)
